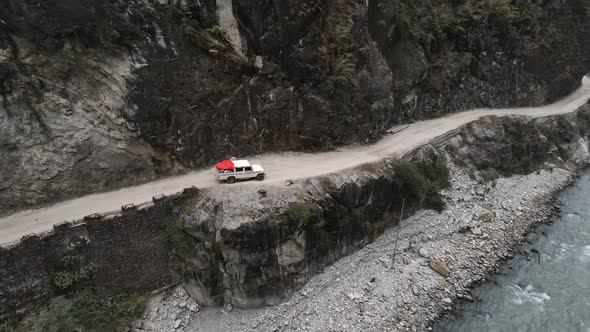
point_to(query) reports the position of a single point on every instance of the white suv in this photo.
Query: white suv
(232, 170)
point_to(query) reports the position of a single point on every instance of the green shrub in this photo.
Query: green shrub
(58, 316)
(343, 69)
(503, 8)
(436, 170)
(213, 40)
(93, 311)
(299, 212)
(183, 243)
(65, 280)
(340, 46)
(87, 312)
(419, 182)
(215, 30)
(6, 326)
(193, 32)
(444, 20)
(413, 184)
(68, 261)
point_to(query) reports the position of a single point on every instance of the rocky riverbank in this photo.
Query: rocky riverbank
(412, 274)
(171, 309)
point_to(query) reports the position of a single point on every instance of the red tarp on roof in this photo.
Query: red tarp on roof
(225, 165)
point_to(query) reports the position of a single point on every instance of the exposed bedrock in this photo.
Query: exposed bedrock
(461, 54)
(252, 249)
(248, 248)
(97, 95)
(260, 261)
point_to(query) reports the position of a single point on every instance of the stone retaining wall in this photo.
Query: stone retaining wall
(119, 253)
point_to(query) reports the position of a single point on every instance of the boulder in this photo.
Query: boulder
(424, 252)
(485, 215)
(440, 267)
(476, 231)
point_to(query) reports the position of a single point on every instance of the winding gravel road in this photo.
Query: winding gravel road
(279, 167)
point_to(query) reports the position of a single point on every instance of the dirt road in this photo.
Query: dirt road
(279, 167)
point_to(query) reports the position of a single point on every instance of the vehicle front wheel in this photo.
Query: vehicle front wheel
(231, 179)
(260, 177)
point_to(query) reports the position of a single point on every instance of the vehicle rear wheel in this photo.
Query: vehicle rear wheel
(260, 177)
(231, 179)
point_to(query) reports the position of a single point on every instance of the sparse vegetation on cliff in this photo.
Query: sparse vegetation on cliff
(447, 41)
(72, 273)
(584, 116)
(65, 280)
(196, 33)
(183, 244)
(339, 51)
(83, 311)
(6, 326)
(419, 183)
(442, 19)
(299, 212)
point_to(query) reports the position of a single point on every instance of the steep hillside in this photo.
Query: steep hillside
(101, 94)
(242, 247)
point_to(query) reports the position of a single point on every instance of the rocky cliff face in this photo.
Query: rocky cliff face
(448, 56)
(247, 248)
(100, 94)
(256, 248)
(253, 249)
(63, 123)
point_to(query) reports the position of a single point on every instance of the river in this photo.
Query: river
(548, 291)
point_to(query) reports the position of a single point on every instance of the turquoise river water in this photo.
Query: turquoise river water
(547, 291)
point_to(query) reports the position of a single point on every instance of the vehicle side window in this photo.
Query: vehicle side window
(239, 169)
(248, 169)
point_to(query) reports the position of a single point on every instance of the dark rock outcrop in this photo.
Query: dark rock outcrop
(224, 255)
(260, 262)
(126, 253)
(250, 263)
(97, 95)
(450, 56)
(508, 146)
